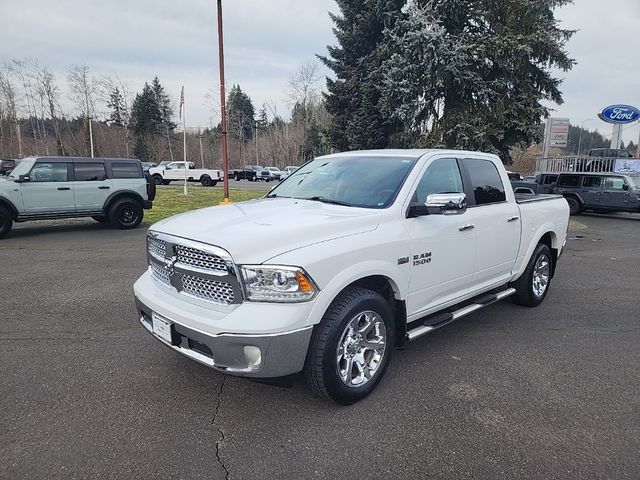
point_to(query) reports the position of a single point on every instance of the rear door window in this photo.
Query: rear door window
(569, 181)
(126, 170)
(592, 182)
(485, 181)
(89, 172)
(549, 179)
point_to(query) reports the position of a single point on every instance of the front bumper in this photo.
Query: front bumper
(257, 356)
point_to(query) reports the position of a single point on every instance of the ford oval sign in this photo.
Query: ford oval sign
(620, 114)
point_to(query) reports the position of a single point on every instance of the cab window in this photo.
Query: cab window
(485, 181)
(570, 181)
(442, 176)
(49, 172)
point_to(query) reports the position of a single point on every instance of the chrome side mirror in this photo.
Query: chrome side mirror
(446, 203)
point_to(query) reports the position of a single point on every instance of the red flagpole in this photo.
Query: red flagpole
(223, 123)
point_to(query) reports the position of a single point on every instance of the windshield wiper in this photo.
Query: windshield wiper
(328, 200)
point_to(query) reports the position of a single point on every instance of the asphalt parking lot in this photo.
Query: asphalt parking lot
(507, 393)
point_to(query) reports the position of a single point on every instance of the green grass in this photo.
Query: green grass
(171, 200)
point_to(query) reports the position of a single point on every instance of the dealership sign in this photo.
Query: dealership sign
(620, 114)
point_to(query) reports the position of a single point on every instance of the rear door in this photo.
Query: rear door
(496, 221)
(91, 186)
(49, 189)
(591, 190)
(442, 252)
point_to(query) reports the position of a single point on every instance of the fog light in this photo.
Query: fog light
(253, 356)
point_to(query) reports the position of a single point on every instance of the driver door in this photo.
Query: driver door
(48, 189)
(443, 248)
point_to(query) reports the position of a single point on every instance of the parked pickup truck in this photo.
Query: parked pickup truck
(352, 256)
(253, 173)
(165, 174)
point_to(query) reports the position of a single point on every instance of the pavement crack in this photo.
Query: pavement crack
(221, 436)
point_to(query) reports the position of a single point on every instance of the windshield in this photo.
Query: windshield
(358, 181)
(22, 168)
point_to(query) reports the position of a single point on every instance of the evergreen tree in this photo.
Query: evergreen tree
(241, 114)
(354, 96)
(146, 120)
(474, 73)
(118, 114)
(164, 106)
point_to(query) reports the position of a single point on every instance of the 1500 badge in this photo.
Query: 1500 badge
(421, 259)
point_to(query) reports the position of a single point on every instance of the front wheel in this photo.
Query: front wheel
(157, 179)
(351, 347)
(532, 287)
(6, 221)
(574, 205)
(126, 213)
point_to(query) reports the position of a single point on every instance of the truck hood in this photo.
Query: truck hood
(255, 231)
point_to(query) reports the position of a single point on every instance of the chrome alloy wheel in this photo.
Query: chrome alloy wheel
(541, 273)
(361, 349)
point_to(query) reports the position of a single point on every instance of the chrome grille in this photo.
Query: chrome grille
(207, 289)
(160, 273)
(193, 269)
(156, 246)
(199, 259)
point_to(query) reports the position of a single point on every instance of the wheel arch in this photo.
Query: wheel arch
(10, 206)
(120, 195)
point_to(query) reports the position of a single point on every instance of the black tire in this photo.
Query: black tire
(322, 363)
(126, 213)
(237, 177)
(526, 290)
(6, 221)
(575, 207)
(157, 178)
(151, 187)
(214, 183)
(206, 181)
(101, 218)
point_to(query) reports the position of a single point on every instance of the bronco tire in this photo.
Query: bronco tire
(6, 221)
(351, 347)
(532, 287)
(151, 187)
(126, 213)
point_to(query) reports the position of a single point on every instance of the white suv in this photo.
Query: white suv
(110, 190)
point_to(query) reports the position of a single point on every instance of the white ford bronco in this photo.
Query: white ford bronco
(110, 190)
(351, 256)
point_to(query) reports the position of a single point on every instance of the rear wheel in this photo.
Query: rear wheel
(574, 205)
(6, 222)
(351, 347)
(206, 181)
(126, 213)
(151, 187)
(533, 285)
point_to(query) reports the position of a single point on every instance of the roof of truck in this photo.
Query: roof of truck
(410, 153)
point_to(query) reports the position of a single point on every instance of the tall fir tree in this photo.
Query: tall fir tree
(146, 120)
(354, 96)
(118, 114)
(163, 102)
(475, 74)
(241, 122)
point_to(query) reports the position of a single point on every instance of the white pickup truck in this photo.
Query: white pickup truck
(165, 174)
(353, 255)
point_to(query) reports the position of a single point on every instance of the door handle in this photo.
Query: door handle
(64, 188)
(465, 228)
(513, 219)
(105, 187)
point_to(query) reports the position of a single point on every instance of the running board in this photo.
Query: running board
(441, 319)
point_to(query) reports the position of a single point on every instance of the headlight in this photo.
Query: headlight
(275, 283)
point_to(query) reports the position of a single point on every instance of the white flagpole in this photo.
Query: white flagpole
(184, 142)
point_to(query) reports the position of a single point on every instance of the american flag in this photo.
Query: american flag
(181, 100)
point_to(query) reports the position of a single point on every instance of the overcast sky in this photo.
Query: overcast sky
(266, 41)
